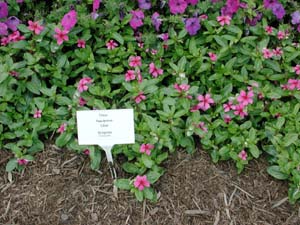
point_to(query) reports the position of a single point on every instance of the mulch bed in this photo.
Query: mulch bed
(60, 188)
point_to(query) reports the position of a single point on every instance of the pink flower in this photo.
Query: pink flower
(281, 35)
(4, 41)
(35, 27)
(86, 151)
(83, 84)
(154, 71)
(243, 155)
(81, 43)
(62, 128)
(69, 20)
(212, 56)
(135, 61)
(82, 101)
(130, 75)
(278, 51)
(140, 97)
(224, 20)
(202, 126)
(23, 162)
(177, 6)
(204, 102)
(269, 29)
(139, 76)
(111, 44)
(15, 37)
(297, 69)
(245, 98)
(195, 108)
(293, 84)
(14, 73)
(267, 53)
(61, 35)
(227, 118)
(164, 36)
(203, 17)
(136, 19)
(146, 148)
(141, 182)
(37, 113)
(239, 110)
(182, 87)
(227, 106)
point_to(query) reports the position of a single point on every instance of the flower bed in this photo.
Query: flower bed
(221, 74)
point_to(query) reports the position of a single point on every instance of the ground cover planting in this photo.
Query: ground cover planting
(222, 75)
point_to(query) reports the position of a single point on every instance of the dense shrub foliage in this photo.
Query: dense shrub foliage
(221, 75)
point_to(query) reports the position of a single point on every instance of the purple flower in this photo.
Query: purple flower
(137, 19)
(278, 10)
(3, 29)
(177, 6)
(295, 17)
(3, 10)
(268, 3)
(192, 25)
(12, 23)
(156, 21)
(144, 4)
(253, 21)
(230, 8)
(192, 2)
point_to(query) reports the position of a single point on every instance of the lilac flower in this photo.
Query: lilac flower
(278, 10)
(177, 6)
(3, 10)
(156, 21)
(3, 29)
(12, 23)
(295, 17)
(192, 25)
(144, 4)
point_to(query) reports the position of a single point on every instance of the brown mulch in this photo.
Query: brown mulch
(59, 188)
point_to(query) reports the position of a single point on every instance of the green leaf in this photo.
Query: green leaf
(123, 184)
(11, 165)
(153, 176)
(139, 195)
(275, 171)
(150, 194)
(273, 65)
(289, 139)
(118, 38)
(95, 156)
(254, 151)
(160, 158)
(147, 161)
(63, 139)
(130, 168)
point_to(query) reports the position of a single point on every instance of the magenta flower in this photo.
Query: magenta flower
(204, 102)
(37, 113)
(81, 43)
(111, 44)
(269, 29)
(297, 69)
(267, 53)
(164, 36)
(23, 162)
(69, 20)
(154, 71)
(144, 4)
(230, 8)
(96, 5)
(135, 61)
(3, 29)
(192, 2)
(12, 23)
(177, 6)
(86, 152)
(243, 155)
(212, 56)
(14, 73)
(141, 182)
(3, 10)
(61, 35)
(202, 126)
(140, 97)
(224, 20)
(239, 110)
(35, 27)
(245, 98)
(62, 128)
(82, 101)
(192, 25)
(269, 3)
(136, 19)
(228, 106)
(129, 75)
(146, 148)
(182, 87)
(83, 84)
(156, 21)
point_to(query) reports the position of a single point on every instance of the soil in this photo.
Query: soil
(60, 188)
